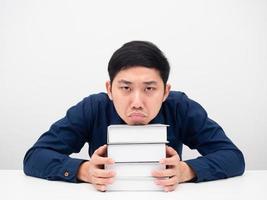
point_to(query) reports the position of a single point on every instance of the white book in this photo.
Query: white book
(151, 133)
(134, 184)
(135, 169)
(137, 152)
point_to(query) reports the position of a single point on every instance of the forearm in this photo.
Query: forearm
(218, 165)
(51, 165)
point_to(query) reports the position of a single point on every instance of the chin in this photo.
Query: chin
(137, 123)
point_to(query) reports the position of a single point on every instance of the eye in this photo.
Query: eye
(125, 88)
(149, 89)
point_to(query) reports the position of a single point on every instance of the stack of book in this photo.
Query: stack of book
(136, 151)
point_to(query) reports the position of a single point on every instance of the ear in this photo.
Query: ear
(108, 88)
(167, 91)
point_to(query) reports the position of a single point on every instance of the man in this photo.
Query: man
(137, 93)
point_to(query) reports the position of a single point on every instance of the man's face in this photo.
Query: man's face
(137, 94)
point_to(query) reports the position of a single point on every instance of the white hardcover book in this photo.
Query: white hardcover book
(135, 169)
(134, 184)
(137, 152)
(151, 133)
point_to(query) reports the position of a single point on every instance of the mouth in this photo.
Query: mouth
(137, 117)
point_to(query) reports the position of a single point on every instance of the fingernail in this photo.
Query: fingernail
(155, 173)
(112, 173)
(161, 161)
(103, 188)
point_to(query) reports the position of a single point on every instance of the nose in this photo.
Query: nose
(137, 100)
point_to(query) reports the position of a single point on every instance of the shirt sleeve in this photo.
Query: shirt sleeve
(220, 158)
(49, 157)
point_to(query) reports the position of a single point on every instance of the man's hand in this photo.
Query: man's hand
(93, 171)
(177, 171)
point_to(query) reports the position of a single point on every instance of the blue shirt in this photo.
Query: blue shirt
(88, 121)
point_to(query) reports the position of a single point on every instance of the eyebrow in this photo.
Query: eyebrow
(122, 81)
(150, 83)
(125, 82)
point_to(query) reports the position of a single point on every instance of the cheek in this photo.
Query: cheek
(154, 105)
(120, 105)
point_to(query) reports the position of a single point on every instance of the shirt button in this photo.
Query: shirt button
(66, 174)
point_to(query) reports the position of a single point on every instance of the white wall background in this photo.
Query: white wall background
(55, 52)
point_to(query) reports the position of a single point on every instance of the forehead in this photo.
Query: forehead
(138, 74)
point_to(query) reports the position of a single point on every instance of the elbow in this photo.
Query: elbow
(26, 162)
(241, 163)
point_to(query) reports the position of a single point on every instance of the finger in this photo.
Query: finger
(101, 188)
(170, 151)
(170, 188)
(101, 151)
(103, 173)
(102, 181)
(99, 160)
(167, 182)
(174, 160)
(163, 173)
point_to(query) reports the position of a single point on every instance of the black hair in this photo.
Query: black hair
(139, 53)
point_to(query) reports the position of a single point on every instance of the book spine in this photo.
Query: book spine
(137, 152)
(134, 184)
(135, 169)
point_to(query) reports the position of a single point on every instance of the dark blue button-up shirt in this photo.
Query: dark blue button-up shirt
(88, 121)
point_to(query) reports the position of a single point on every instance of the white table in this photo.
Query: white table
(15, 185)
